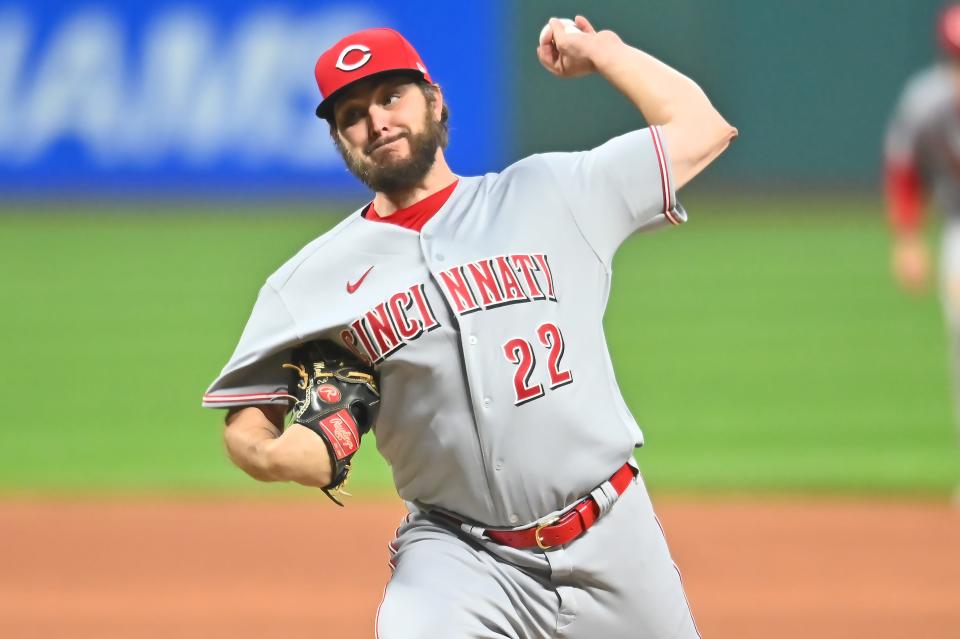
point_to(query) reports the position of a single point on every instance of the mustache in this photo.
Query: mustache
(376, 144)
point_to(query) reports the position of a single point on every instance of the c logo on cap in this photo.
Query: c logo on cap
(343, 66)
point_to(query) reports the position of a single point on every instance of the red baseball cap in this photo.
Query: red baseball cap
(948, 30)
(361, 55)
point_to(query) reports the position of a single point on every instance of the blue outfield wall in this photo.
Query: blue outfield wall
(217, 97)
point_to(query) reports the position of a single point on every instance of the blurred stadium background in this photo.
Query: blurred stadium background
(159, 159)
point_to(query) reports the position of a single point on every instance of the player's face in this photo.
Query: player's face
(388, 133)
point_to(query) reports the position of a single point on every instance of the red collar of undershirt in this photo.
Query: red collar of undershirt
(417, 214)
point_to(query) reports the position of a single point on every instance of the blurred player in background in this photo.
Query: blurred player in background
(922, 156)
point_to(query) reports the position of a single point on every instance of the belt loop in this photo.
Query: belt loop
(476, 531)
(605, 495)
(611, 491)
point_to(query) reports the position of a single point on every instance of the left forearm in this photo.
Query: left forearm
(257, 444)
(300, 456)
(904, 193)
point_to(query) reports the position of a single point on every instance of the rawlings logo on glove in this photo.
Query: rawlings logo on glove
(338, 399)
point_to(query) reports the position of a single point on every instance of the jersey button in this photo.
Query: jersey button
(440, 257)
(498, 466)
(514, 519)
(486, 401)
(473, 340)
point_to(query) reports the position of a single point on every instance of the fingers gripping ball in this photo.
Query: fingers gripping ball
(338, 398)
(569, 26)
(567, 48)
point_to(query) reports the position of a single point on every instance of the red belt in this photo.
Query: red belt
(564, 528)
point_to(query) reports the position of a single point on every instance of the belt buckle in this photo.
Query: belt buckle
(536, 533)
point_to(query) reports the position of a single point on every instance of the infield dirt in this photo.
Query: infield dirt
(291, 569)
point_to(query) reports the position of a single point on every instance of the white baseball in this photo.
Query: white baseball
(569, 26)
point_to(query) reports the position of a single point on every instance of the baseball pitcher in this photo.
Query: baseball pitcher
(460, 319)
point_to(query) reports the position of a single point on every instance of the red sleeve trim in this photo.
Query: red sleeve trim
(665, 185)
(249, 397)
(904, 190)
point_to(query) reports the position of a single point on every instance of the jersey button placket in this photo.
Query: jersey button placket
(427, 248)
(472, 340)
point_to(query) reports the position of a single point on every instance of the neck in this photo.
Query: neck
(438, 177)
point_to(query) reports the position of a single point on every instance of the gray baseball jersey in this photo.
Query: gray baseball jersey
(499, 402)
(924, 132)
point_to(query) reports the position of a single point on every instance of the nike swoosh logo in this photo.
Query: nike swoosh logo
(352, 288)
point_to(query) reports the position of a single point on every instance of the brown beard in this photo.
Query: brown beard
(398, 175)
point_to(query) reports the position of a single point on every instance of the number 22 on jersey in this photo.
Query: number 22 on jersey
(521, 352)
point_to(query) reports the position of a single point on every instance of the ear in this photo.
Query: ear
(438, 103)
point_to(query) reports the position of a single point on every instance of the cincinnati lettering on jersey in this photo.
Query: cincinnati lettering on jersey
(391, 325)
(483, 284)
(498, 281)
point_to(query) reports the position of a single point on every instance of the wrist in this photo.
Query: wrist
(608, 51)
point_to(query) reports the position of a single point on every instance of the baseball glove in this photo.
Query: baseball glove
(336, 396)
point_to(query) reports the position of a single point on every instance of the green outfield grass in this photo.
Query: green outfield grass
(762, 347)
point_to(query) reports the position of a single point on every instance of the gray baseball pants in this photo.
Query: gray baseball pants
(616, 580)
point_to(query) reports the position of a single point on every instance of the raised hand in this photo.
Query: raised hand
(570, 52)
